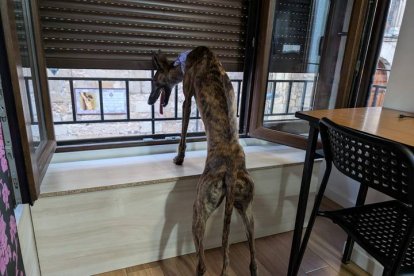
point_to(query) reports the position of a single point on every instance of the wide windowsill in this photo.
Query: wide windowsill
(87, 171)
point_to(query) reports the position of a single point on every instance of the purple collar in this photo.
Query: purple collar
(181, 59)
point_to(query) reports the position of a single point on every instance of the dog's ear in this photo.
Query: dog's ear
(160, 61)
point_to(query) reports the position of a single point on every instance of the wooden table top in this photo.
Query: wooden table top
(378, 121)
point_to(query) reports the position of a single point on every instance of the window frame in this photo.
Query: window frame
(256, 128)
(31, 163)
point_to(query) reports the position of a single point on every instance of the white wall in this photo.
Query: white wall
(400, 92)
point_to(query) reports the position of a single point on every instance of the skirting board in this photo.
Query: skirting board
(366, 262)
(94, 232)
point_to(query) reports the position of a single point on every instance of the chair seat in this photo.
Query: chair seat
(379, 229)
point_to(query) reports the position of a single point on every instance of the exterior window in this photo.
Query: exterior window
(386, 55)
(300, 66)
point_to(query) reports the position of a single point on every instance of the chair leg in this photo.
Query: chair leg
(349, 246)
(318, 200)
(405, 243)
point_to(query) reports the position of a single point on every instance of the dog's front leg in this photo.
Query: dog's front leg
(179, 159)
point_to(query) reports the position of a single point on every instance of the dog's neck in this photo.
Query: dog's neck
(175, 75)
(181, 60)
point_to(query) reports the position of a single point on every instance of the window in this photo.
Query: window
(105, 48)
(314, 57)
(386, 55)
(299, 68)
(33, 140)
(372, 34)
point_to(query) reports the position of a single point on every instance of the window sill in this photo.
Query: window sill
(90, 171)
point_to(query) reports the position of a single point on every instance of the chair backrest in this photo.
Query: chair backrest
(381, 164)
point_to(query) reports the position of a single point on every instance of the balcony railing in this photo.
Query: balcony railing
(301, 89)
(72, 85)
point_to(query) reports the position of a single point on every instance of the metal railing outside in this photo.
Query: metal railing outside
(237, 84)
(287, 107)
(152, 118)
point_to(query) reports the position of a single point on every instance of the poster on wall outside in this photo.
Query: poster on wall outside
(88, 101)
(114, 100)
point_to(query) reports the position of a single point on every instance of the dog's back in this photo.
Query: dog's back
(215, 98)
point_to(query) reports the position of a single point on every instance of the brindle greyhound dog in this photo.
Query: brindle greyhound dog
(225, 173)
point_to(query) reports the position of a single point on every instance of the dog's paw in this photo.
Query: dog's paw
(253, 269)
(179, 159)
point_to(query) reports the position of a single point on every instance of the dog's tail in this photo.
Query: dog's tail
(230, 183)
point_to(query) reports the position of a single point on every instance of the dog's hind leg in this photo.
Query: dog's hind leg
(247, 217)
(188, 93)
(228, 210)
(210, 194)
(243, 205)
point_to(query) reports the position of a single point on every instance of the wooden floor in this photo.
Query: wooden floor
(321, 258)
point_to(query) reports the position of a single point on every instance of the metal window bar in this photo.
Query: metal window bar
(127, 100)
(72, 98)
(302, 102)
(29, 99)
(101, 106)
(238, 85)
(288, 97)
(272, 102)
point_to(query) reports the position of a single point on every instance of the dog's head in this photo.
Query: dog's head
(164, 80)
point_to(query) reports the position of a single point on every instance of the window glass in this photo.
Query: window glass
(30, 70)
(306, 53)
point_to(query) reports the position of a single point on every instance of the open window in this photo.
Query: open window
(26, 96)
(309, 60)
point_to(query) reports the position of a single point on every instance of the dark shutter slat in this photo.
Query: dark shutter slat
(125, 50)
(203, 6)
(140, 15)
(122, 41)
(96, 31)
(122, 34)
(153, 9)
(71, 19)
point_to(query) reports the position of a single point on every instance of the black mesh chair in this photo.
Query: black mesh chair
(385, 230)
